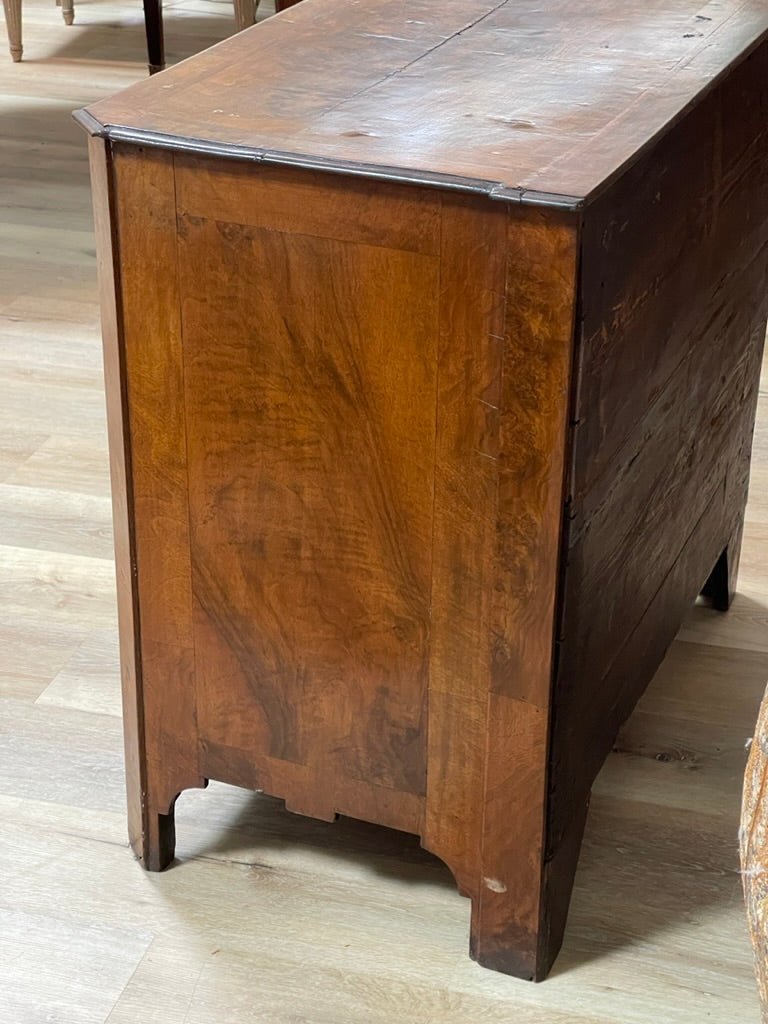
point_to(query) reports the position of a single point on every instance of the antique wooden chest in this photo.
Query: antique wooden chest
(432, 334)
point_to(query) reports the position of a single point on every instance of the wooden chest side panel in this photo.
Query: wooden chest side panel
(145, 223)
(472, 303)
(673, 305)
(310, 375)
(508, 297)
(118, 430)
(542, 275)
(664, 249)
(325, 206)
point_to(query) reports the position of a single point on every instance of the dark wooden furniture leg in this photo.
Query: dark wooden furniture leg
(720, 587)
(153, 23)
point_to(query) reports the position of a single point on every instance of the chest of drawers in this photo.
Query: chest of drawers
(432, 339)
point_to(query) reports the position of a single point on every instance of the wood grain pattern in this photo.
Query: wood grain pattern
(469, 361)
(423, 484)
(122, 486)
(270, 914)
(318, 205)
(542, 268)
(310, 385)
(653, 382)
(153, 415)
(424, 88)
(705, 184)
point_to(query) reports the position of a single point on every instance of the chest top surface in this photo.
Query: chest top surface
(517, 98)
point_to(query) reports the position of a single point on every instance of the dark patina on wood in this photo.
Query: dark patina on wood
(431, 402)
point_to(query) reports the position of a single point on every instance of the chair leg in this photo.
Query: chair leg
(245, 13)
(153, 22)
(13, 25)
(68, 11)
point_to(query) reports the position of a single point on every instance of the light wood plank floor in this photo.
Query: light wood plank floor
(270, 917)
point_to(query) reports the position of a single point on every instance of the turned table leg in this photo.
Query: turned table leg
(13, 25)
(68, 11)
